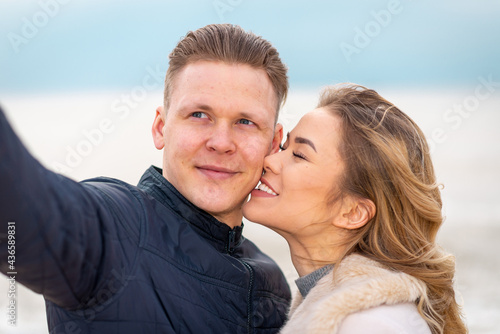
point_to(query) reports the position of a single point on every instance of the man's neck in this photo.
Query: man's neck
(232, 219)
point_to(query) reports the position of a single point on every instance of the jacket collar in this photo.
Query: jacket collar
(215, 232)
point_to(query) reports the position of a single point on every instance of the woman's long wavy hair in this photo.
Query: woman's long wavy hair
(387, 160)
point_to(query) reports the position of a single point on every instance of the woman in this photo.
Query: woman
(353, 192)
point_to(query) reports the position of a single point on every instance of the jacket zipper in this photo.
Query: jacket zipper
(230, 242)
(230, 249)
(249, 298)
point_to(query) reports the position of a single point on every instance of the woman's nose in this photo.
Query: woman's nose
(272, 163)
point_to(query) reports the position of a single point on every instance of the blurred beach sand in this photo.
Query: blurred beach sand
(466, 156)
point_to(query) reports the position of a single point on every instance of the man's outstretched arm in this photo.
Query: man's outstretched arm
(58, 229)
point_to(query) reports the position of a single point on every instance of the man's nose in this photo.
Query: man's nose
(222, 139)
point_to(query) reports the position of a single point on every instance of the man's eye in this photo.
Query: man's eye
(199, 114)
(245, 121)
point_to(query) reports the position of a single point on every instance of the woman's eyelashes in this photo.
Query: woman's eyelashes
(294, 153)
(299, 155)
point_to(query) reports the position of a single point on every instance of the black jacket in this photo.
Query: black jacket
(114, 258)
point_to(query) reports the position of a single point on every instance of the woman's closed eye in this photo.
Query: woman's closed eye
(298, 155)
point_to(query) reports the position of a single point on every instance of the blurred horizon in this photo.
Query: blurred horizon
(67, 46)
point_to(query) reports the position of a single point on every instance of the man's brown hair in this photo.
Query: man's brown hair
(232, 45)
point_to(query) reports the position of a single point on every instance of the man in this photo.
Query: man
(166, 256)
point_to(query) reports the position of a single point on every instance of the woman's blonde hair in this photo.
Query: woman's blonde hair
(387, 160)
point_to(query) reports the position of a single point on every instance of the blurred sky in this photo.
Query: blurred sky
(60, 45)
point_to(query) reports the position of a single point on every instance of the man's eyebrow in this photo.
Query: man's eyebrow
(301, 140)
(248, 115)
(195, 106)
(203, 107)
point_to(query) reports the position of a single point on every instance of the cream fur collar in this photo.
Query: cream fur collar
(356, 284)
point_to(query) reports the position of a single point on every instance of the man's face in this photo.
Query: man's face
(215, 134)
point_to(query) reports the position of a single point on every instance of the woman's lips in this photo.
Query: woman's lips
(263, 189)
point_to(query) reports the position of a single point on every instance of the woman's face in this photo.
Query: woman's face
(298, 182)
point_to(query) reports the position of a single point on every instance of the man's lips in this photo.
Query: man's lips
(216, 172)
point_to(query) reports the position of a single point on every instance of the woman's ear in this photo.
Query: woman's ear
(157, 128)
(355, 213)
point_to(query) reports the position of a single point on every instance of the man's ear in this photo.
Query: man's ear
(355, 213)
(278, 137)
(157, 129)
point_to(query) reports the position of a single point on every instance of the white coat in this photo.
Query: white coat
(361, 296)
